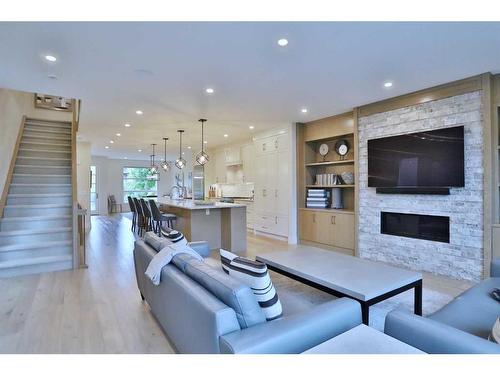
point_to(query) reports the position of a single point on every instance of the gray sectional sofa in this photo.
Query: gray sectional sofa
(203, 310)
(462, 326)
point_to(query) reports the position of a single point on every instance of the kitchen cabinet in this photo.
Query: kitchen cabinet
(248, 160)
(275, 143)
(220, 167)
(232, 155)
(272, 169)
(328, 227)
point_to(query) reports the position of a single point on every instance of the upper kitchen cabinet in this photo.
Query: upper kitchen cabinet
(232, 155)
(275, 143)
(248, 159)
(220, 167)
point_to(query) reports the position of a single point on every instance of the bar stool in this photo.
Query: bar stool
(140, 216)
(147, 215)
(134, 212)
(159, 218)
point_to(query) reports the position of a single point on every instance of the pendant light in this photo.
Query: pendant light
(202, 157)
(165, 165)
(154, 168)
(180, 162)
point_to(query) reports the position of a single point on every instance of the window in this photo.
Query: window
(139, 182)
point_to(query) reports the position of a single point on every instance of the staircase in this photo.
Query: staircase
(36, 230)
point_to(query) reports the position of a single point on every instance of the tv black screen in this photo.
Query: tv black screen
(427, 159)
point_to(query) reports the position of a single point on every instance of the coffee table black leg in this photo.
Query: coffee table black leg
(365, 313)
(418, 299)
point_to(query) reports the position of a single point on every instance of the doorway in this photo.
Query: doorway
(94, 195)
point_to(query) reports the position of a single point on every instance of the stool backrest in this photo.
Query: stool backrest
(131, 204)
(155, 210)
(112, 199)
(138, 207)
(145, 208)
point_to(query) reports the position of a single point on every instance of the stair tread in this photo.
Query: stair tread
(43, 136)
(35, 218)
(42, 158)
(43, 166)
(34, 261)
(24, 232)
(41, 120)
(42, 195)
(45, 150)
(32, 128)
(37, 205)
(35, 184)
(40, 174)
(44, 144)
(31, 246)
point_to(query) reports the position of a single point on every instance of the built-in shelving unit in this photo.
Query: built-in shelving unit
(330, 228)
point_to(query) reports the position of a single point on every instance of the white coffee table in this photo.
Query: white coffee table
(342, 275)
(363, 340)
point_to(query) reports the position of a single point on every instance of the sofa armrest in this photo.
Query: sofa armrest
(495, 267)
(201, 247)
(295, 333)
(434, 337)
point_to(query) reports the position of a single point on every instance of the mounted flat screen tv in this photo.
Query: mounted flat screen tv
(427, 159)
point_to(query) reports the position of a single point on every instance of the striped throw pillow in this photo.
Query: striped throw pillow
(175, 237)
(256, 276)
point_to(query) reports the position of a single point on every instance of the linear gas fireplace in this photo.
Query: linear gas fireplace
(425, 227)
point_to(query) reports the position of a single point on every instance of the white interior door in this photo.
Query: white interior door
(94, 195)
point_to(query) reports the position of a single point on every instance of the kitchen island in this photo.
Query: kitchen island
(223, 225)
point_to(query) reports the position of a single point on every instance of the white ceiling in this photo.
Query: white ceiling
(164, 68)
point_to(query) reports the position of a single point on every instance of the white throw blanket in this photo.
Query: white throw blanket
(164, 256)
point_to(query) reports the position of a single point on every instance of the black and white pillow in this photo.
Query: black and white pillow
(256, 276)
(175, 237)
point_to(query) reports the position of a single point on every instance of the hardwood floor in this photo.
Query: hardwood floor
(98, 310)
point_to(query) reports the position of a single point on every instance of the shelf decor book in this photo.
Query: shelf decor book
(317, 198)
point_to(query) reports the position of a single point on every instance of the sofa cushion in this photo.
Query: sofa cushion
(232, 292)
(474, 311)
(156, 242)
(175, 237)
(495, 332)
(181, 261)
(255, 275)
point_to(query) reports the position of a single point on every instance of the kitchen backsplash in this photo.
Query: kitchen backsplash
(243, 190)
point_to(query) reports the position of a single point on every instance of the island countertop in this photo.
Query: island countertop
(188, 204)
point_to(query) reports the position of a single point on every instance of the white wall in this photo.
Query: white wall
(109, 178)
(13, 106)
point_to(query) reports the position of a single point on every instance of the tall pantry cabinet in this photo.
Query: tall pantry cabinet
(272, 193)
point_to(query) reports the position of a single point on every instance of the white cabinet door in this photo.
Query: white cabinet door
(220, 167)
(248, 159)
(260, 193)
(232, 155)
(271, 183)
(281, 143)
(263, 146)
(282, 189)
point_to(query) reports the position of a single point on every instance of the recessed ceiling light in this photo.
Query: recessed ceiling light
(209, 90)
(251, 127)
(388, 84)
(139, 150)
(118, 134)
(50, 58)
(139, 112)
(225, 135)
(304, 110)
(106, 146)
(189, 147)
(127, 125)
(282, 42)
(205, 142)
(183, 153)
(125, 157)
(111, 141)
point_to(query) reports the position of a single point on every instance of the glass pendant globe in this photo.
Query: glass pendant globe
(165, 165)
(154, 169)
(180, 163)
(202, 158)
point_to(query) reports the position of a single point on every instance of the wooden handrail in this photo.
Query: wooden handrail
(8, 180)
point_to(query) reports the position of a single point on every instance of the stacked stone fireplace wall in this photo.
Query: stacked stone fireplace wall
(462, 258)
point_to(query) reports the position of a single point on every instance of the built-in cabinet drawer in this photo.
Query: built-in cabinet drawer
(277, 225)
(333, 228)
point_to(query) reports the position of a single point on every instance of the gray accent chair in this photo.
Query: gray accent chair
(195, 320)
(461, 327)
